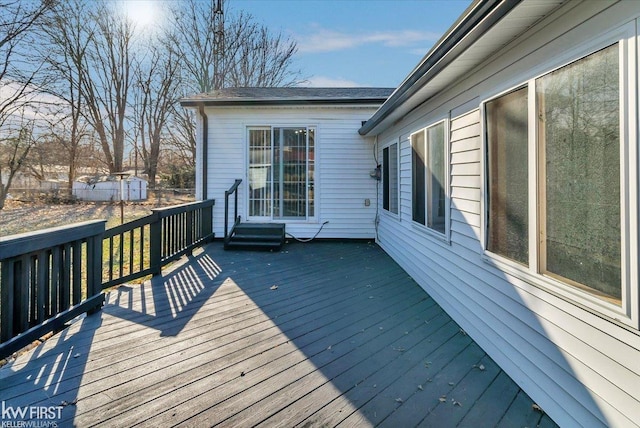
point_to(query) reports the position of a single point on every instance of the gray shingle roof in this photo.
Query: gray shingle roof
(289, 95)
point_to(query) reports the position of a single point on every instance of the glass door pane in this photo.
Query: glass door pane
(291, 179)
(311, 164)
(260, 172)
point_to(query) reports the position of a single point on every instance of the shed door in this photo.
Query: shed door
(281, 173)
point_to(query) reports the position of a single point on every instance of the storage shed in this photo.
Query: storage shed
(108, 188)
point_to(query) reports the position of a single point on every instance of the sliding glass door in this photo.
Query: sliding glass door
(281, 173)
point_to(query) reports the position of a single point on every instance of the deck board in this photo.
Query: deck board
(321, 334)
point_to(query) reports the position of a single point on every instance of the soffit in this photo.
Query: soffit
(524, 16)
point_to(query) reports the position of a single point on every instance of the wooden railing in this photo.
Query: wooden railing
(233, 190)
(179, 230)
(46, 279)
(51, 276)
(141, 247)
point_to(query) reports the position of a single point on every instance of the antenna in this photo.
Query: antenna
(218, 44)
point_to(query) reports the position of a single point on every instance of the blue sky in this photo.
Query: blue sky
(357, 42)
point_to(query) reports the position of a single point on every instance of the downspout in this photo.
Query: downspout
(376, 221)
(205, 149)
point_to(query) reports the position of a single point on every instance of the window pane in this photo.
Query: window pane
(259, 172)
(290, 175)
(393, 178)
(311, 161)
(436, 208)
(507, 132)
(579, 126)
(418, 177)
(385, 178)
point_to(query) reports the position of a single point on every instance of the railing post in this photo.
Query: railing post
(155, 244)
(226, 213)
(232, 189)
(189, 229)
(94, 269)
(6, 297)
(207, 220)
(235, 206)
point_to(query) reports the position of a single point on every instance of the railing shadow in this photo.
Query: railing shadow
(42, 386)
(167, 302)
(50, 376)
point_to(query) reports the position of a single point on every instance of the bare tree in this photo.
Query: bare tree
(245, 53)
(107, 82)
(193, 40)
(17, 19)
(63, 143)
(257, 58)
(251, 54)
(182, 135)
(14, 148)
(69, 35)
(156, 89)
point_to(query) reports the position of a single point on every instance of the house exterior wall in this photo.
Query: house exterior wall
(343, 159)
(580, 366)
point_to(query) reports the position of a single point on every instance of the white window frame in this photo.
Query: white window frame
(447, 191)
(627, 313)
(385, 184)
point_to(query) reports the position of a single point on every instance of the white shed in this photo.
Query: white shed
(108, 188)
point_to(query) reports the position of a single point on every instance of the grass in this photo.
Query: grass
(131, 261)
(19, 217)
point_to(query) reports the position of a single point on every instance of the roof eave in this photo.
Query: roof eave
(278, 102)
(479, 17)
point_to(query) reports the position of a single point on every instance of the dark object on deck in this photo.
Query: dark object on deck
(256, 236)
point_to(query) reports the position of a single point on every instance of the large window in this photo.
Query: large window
(579, 137)
(575, 227)
(428, 168)
(390, 178)
(281, 172)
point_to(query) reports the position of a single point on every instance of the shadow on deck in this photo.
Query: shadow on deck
(320, 334)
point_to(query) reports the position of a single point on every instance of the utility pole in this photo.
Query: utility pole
(218, 54)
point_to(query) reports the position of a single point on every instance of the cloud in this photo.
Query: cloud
(323, 40)
(330, 82)
(33, 106)
(419, 51)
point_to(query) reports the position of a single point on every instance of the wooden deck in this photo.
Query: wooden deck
(319, 334)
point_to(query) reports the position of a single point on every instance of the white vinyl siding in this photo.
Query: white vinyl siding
(465, 179)
(343, 164)
(580, 365)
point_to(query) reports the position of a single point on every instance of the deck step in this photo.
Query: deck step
(256, 236)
